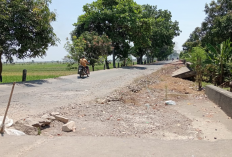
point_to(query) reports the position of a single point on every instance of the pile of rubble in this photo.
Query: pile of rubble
(33, 126)
(137, 110)
(108, 99)
(134, 89)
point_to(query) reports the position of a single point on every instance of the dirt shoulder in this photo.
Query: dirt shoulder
(138, 110)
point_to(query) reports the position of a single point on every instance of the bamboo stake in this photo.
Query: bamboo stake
(3, 122)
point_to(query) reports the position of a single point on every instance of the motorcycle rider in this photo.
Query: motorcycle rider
(83, 62)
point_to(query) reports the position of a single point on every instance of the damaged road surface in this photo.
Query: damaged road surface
(119, 112)
(35, 97)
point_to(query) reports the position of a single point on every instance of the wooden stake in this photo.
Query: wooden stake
(3, 122)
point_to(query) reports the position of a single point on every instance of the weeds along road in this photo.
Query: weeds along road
(35, 97)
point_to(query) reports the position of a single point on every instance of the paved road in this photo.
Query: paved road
(39, 96)
(75, 146)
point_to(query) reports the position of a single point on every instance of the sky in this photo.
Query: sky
(189, 13)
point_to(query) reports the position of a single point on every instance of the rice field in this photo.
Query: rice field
(39, 71)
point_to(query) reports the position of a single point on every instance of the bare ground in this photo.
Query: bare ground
(139, 110)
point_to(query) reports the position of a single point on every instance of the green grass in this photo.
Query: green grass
(205, 84)
(13, 73)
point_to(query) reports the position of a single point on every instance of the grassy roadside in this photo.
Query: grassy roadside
(205, 84)
(13, 73)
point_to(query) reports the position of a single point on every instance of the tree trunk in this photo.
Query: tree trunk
(138, 61)
(230, 85)
(221, 75)
(114, 59)
(92, 67)
(107, 64)
(141, 59)
(215, 76)
(0, 67)
(198, 72)
(148, 59)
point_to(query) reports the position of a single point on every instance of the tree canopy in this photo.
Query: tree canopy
(25, 29)
(89, 44)
(163, 31)
(126, 22)
(120, 20)
(216, 28)
(214, 36)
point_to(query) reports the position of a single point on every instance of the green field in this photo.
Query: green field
(13, 73)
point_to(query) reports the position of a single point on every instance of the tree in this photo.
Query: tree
(163, 30)
(198, 57)
(183, 55)
(121, 20)
(96, 46)
(219, 56)
(25, 29)
(194, 39)
(164, 52)
(218, 23)
(68, 59)
(216, 27)
(91, 45)
(75, 48)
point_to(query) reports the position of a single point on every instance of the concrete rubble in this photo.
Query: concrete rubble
(30, 125)
(108, 99)
(27, 129)
(70, 126)
(113, 98)
(134, 89)
(183, 73)
(48, 117)
(54, 113)
(61, 118)
(101, 101)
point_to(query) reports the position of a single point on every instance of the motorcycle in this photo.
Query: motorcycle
(82, 71)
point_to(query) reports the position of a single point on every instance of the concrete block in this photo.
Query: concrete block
(183, 72)
(220, 97)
